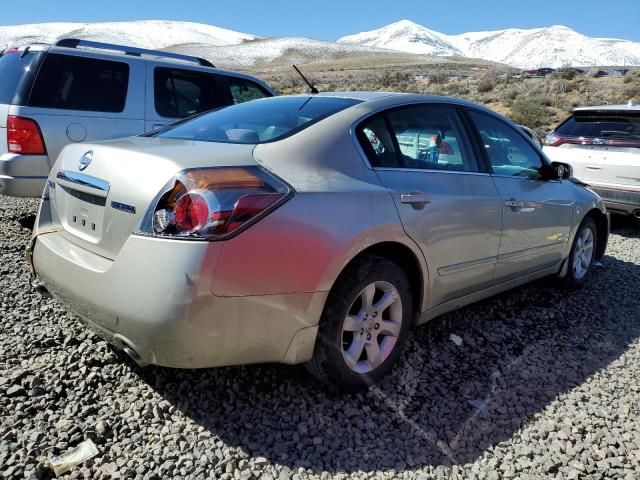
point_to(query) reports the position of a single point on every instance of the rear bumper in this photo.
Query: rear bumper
(619, 200)
(23, 175)
(165, 311)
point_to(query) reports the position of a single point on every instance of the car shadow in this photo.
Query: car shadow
(626, 226)
(27, 221)
(520, 351)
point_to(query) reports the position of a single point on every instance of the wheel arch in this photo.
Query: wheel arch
(602, 229)
(403, 256)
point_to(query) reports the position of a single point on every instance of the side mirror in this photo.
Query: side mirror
(561, 170)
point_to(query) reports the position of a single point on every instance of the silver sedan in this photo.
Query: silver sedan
(316, 229)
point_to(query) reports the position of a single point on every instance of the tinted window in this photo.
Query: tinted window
(242, 90)
(427, 137)
(507, 150)
(378, 143)
(182, 93)
(78, 83)
(602, 125)
(17, 72)
(259, 121)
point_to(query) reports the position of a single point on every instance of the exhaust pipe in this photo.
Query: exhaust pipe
(133, 355)
(39, 287)
(125, 345)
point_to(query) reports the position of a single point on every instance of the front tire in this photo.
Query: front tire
(582, 254)
(364, 326)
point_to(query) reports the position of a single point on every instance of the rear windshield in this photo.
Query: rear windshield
(17, 71)
(258, 121)
(602, 125)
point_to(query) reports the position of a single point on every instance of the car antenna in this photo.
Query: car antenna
(313, 89)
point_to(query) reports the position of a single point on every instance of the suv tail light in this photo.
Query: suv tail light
(213, 203)
(552, 140)
(24, 136)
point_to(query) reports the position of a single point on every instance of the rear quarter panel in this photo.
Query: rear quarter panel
(340, 208)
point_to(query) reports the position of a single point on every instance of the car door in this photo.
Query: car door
(447, 205)
(537, 211)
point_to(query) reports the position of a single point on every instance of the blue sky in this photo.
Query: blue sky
(330, 19)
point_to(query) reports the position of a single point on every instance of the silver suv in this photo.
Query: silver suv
(77, 91)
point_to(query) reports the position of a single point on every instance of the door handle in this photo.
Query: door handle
(414, 198)
(514, 203)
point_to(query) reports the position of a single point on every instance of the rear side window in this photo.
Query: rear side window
(242, 90)
(17, 71)
(426, 137)
(602, 125)
(182, 93)
(79, 83)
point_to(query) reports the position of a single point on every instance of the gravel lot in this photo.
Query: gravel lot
(559, 373)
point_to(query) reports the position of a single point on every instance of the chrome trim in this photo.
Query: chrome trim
(528, 251)
(537, 179)
(83, 180)
(391, 169)
(459, 267)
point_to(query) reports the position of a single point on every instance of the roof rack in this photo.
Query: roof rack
(133, 51)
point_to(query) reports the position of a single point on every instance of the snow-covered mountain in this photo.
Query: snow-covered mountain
(286, 49)
(143, 34)
(406, 36)
(549, 47)
(554, 46)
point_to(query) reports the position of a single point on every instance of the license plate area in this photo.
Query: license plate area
(81, 213)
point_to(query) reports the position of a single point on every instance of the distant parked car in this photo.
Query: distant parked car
(537, 72)
(82, 91)
(543, 72)
(620, 72)
(307, 228)
(602, 144)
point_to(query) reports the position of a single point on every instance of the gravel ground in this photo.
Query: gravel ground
(558, 372)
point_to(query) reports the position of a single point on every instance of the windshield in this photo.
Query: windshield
(258, 121)
(17, 71)
(594, 124)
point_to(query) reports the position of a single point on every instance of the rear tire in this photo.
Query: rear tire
(364, 326)
(583, 252)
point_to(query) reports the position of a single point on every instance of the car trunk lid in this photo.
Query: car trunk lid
(102, 191)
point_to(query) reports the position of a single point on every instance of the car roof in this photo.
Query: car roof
(629, 107)
(105, 53)
(399, 98)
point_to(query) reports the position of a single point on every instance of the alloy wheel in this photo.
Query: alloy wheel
(371, 328)
(583, 253)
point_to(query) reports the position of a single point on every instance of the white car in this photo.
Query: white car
(602, 144)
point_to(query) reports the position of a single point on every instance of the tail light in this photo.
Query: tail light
(552, 140)
(213, 203)
(24, 136)
(555, 140)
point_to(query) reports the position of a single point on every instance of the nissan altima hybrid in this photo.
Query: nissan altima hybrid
(315, 229)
